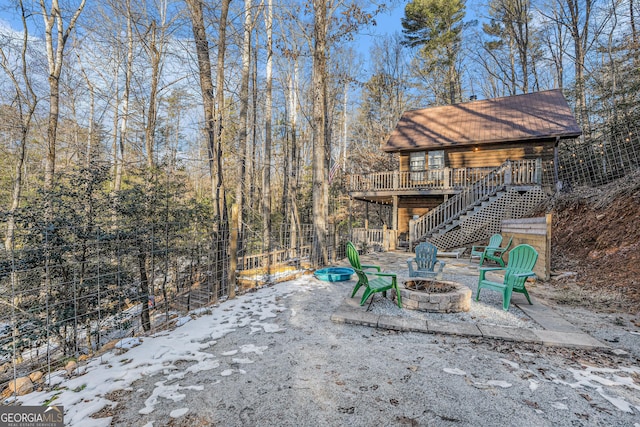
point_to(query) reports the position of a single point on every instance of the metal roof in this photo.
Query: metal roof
(526, 117)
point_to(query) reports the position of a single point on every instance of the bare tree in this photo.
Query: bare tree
(154, 43)
(321, 133)
(577, 16)
(26, 102)
(266, 171)
(56, 37)
(510, 28)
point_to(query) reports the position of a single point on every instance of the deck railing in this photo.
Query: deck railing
(383, 239)
(523, 172)
(446, 178)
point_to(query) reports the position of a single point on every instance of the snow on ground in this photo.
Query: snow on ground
(134, 358)
(172, 356)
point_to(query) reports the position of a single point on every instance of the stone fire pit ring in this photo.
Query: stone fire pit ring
(435, 296)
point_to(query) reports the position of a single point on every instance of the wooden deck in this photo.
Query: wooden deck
(381, 186)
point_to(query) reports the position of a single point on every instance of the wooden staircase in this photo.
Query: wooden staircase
(485, 220)
(509, 191)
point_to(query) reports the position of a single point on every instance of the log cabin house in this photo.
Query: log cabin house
(465, 167)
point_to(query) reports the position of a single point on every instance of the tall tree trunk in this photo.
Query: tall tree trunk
(124, 122)
(580, 34)
(206, 81)
(55, 60)
(293, 215)
(219, 195)
(254, 126)
(266, 171)
(116, 120)
(214, 128)
(345, 124)
(155, 55)
(237, 212)
(320, 135)
(27, 101)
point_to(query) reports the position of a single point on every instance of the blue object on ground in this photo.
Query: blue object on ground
(334, 274)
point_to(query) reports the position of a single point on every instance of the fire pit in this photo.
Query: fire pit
(436, 296)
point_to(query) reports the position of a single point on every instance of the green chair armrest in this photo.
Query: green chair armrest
(483, 271)
(386, 274)
(491, 268)
(527, 274)
(377, 267)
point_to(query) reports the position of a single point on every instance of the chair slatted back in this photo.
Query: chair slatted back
(426, 256)
(354, 258)
(522, 259)
(495, 241)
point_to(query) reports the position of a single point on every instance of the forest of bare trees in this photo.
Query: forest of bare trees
(134, 129)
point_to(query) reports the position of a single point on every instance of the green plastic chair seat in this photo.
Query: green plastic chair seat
(522, 259)
(494, 242)
(378, 282)
(354, 260)
(495, 254)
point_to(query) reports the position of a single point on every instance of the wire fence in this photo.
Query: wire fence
(66, 292)
(611, 152)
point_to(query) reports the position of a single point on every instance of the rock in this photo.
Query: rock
(20, 387)
(36, 376)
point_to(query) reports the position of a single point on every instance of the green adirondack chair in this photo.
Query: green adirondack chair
(494, 242)
(495, 254)
(522, 259)
(381, 282)
(354, 260)
(425, 261)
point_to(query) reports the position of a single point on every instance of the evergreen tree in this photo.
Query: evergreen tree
(435, 26)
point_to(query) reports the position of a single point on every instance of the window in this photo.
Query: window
(436, 159)
(417, 165)
(436, 165)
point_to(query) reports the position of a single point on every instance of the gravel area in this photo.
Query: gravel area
(273, 357)
(304, 370)
(487, 311)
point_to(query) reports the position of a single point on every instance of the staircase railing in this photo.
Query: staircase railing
(520, 172)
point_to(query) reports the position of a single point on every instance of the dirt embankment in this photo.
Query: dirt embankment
(596, 246)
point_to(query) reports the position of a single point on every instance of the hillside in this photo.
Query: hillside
(596, 246)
